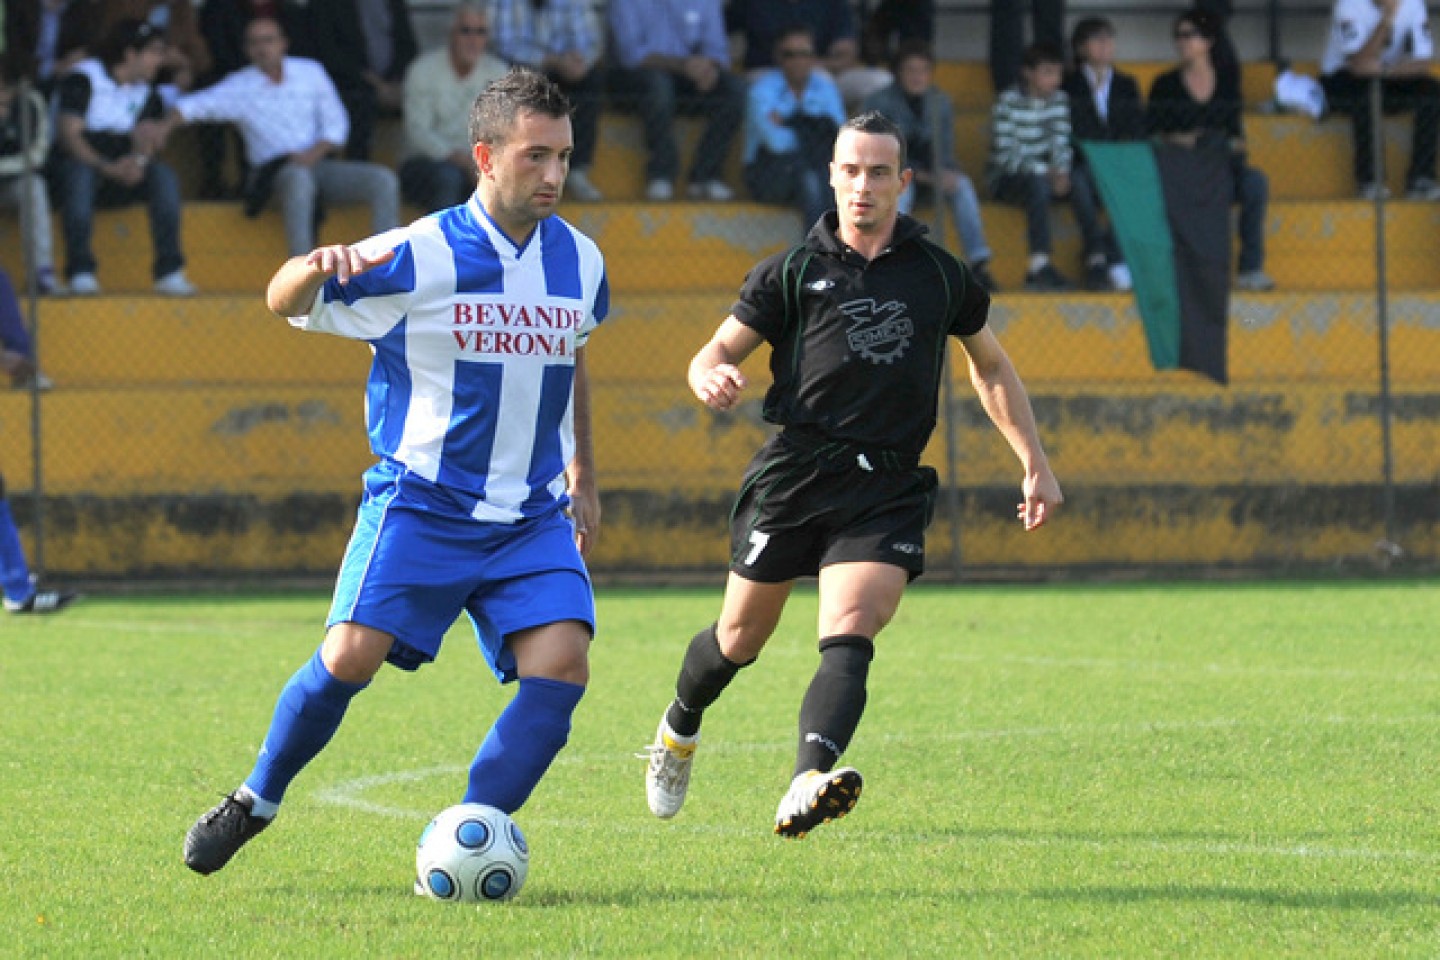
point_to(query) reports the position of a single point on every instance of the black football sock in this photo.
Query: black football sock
(704, 674)
(834, 702)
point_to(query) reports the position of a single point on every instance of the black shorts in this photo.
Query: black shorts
(801, 508)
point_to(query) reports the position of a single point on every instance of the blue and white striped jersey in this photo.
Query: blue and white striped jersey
(474, 343)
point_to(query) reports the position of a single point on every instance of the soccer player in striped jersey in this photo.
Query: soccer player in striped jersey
(483, 500)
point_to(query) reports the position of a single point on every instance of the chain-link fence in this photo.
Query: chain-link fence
(201, 437)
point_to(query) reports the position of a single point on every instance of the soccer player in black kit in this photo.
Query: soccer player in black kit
(857, 319)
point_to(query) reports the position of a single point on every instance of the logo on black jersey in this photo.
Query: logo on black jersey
(879, 333)
(819, 285)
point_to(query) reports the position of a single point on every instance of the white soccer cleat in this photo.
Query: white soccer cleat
(815, 798)
(668, 776)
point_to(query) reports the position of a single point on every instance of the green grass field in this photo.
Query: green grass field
(1214, 770)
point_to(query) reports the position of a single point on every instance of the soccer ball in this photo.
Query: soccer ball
(471, 853)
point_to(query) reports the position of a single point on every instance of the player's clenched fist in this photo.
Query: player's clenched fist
(720, 386)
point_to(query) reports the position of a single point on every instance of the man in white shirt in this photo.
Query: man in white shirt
(440, 87)
(293, 124)
(1388, 39)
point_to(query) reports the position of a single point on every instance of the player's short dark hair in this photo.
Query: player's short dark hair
(873, 121)
(1042, 52)
(493, 115)
(1087, 29)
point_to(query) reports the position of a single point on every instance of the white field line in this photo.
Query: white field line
(351, 795)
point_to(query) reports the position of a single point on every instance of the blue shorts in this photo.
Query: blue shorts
(411, 569)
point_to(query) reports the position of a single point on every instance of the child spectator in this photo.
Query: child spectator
(1031, 158)
(924, 112)
(108, 139)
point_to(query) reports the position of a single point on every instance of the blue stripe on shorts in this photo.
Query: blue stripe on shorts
(410, 571)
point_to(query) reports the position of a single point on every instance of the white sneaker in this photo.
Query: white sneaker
(579, 187)
(713, 190)
(1120, 277)
(84, 285)
(668, 776)
(174, 285)
(1254, 281)
(659, 190)
(815, 798)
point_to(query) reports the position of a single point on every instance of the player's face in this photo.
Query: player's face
(521, 179)
(866, 176)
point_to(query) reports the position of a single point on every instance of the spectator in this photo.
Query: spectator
(366, 46)
(926, 118)
(24, 143)
(1104, 106)
(673, 59)
(440, 88)
(17, 349)
(791, 120)
(21, 594)
(561, 39)
(222, 23)
(187, 56)
(1389, 39)
(293, 125)
(1031, 158)
(896, 22)
(1007, 35)
(832, 24)
(108, 138)
(1191, 105)
(48, 37)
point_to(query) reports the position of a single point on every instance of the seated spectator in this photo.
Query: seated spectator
(1389, 39)
(20, 592)
(108, 139)
(45, 39)
(1191, 105)
(293, 125)
(17, 349)
(366, 46)
(187, 56)
(561, 40)
(24, 144)
(832, 24)
(223, 23)
(896, 23)
(1031, 158)
(673, 59)
(440, 88)
(1104, 106)
(791, 119)
(923, 111)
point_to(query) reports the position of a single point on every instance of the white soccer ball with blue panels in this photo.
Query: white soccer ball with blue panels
(471, 853)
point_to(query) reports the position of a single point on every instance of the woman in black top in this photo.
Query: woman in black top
(1195, 103)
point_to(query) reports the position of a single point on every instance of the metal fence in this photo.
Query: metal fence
(200, 437)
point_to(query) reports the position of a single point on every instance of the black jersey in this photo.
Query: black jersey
(858, 346)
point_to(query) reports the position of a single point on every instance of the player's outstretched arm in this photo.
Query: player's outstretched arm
(714, 375)
(293, 288)
(1004, 398)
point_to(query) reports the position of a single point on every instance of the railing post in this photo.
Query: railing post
(1387, 549)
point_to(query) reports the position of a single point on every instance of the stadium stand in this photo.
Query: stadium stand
(205, 436)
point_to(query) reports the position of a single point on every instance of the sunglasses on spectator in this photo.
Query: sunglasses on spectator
(796, 54)
(472, 31)
(1186, 34)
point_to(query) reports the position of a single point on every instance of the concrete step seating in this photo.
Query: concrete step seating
(216, 395)
(678, 247)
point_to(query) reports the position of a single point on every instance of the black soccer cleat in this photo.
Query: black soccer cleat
(815, 798)
(219, 834)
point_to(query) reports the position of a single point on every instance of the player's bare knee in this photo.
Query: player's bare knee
(354, 654)
(556, 651)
